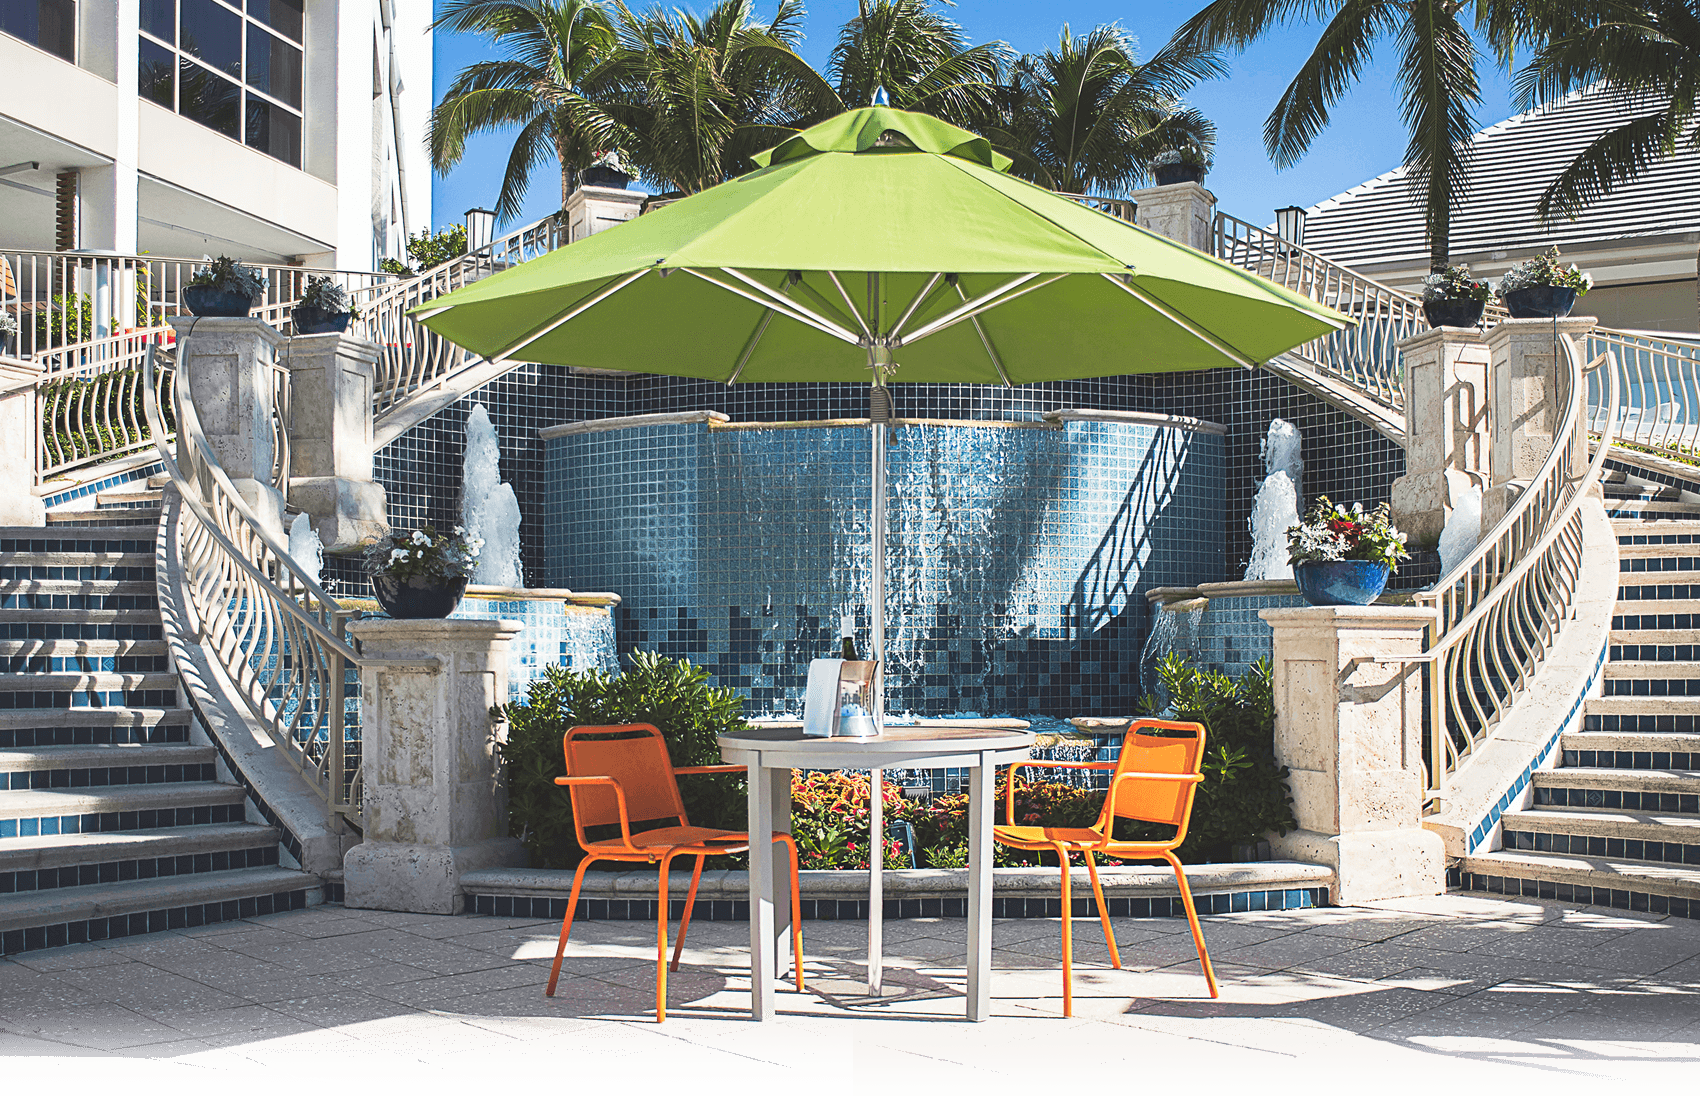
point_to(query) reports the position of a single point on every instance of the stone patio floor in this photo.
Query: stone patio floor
(1409, 993)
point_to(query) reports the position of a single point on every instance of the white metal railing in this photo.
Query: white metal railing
(1502, 607)
(414, 360)
(1658, 381)
(1365, 355)
(276, 634)
(89, 402)
(1123, 208)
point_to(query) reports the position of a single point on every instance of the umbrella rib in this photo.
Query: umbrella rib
(785, 306)
(1181, 322)
(744, 358)
(851, 305)
(570, 314)
(986, 341)
(926, 290)
(1003, 294)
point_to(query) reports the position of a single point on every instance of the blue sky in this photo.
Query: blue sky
(1365, 139)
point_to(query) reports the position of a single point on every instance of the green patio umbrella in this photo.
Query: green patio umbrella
(885, 246)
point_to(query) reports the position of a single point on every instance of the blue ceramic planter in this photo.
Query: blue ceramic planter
(1341, 582)
(418, 598)
(209, 300)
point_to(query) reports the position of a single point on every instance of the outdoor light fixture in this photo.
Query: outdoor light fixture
(480, 226)
(1290, 225)
(27, 165)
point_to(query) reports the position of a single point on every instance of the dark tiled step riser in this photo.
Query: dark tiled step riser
(1633, 512)
(1652, 652)
(1658, 564)
(1641, 724)
(89, 698)
(119, 821)
(831, 909)
(99, 572)
(24, 738)
(18, 941)
(85, 664)
(1579, 894)
(1663, 622)
(116, 776)
(87, 603)
(121, 871)
(1637, 596)
(1651, 686)
(20, 629)
(1634, 539)
(80, 546)
(1626, 759)
(1613, 799)
(1616, 848)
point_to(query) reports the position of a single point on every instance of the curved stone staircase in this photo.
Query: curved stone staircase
(115, 817)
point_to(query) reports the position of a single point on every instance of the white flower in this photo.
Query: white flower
(420, 538)
(474, 551)
(459, 530)
(418, 553)
(398, 554)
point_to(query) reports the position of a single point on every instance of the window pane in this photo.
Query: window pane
(155, 74)
(274, 66)
(208, 98)
(50, 24)
(213, 33)
(159, 18)
(274, 130)
(283, 16)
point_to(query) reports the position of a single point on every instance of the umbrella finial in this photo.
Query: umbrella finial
(881, 99)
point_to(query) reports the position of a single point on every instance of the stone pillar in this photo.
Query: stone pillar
(1181, 211)
(1349, 726)
(1525, 408)
(19, 422)
(590, 209)
(1446, 416)
(435, 805)
(226, 364)
(330, 439)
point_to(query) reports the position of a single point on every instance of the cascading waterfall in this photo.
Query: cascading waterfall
(305, 547)
(1276, 508)
(1174, 630)
(489, 511)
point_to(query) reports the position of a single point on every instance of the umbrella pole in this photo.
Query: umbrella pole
(879, 413)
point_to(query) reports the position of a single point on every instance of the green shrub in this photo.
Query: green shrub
(672, 694)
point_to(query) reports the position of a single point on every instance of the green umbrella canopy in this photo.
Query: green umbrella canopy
(879, 236)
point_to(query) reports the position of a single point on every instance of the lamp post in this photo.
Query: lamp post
(1290, 225)
(480, 226)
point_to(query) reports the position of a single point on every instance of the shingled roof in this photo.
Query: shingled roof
(1376, 224)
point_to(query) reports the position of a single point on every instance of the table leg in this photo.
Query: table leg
(779, 795)
(763, 917)
(980, 797)
(876, 882)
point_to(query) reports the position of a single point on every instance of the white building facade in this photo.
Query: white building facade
(275, 131)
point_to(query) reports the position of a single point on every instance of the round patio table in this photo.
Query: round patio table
(772, 750)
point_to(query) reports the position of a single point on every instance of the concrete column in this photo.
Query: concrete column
(107, 193)
(1526, 359)
(1446, 415)
(1182, 211)
(1349, 726)
(330, 439)
(590, 209)
(19, 504)
(435, 805)
(226, 364)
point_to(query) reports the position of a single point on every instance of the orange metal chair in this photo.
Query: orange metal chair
(622, 777)
(1154, 780)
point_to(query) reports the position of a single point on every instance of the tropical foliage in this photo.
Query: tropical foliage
(1455, 283)
(1545, 269)
(424, 553)
(1331, 532)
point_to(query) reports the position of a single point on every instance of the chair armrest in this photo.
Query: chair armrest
(697, 769)
(1116, 786)
(1009, 788)
(619, 797)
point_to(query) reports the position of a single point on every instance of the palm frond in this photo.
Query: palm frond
(1332, 67)
(1609, 161)
(1439, 92)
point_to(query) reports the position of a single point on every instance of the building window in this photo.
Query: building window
(232, 65)
(50, 24)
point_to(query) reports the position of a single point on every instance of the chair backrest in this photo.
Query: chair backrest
(634, 754)
(1158, 746)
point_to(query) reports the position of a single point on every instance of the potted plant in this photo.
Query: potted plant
(224, 288)
(609, 170)
(1186, 163)
(421, 575)
(8, 335)
(1452, 298)
(324, 307)
(1343, 557)
(1541, 288)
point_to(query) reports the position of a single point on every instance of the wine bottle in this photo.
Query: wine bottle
(847, 638)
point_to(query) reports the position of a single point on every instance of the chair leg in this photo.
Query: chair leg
(1192, 920)
(1104, 913)
(567, 925)
(1067, 935)
(690, 904)
(796, 908)
(661, 946)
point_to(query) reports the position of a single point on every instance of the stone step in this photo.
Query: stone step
(79, 572)
(1667, 670)
(92, 810)
(1653, 511)
(76, 543)
(116, 517)
(1671, 707)
(111, 767)
(1655, 563)
(79, 683)
(1587, 880)
(1665, 791)
(1627, 750)
(1654, 838)
(1649, 492)
(63, 619)
(18, 719)
(46, 758)
(150, 498)
(1684, 609)
(1613, 475)
(87, 859)
(1651, 680)
(80, 914)
(1631, 532)
(1655, 637)
(1627, 553)
(40, 589)
(48, 656)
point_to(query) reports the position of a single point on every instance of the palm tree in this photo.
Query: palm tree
(555, 48)
(698, 95)
(1648, 53)
(1088, 117)
(921, 59)
(1436, 81)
